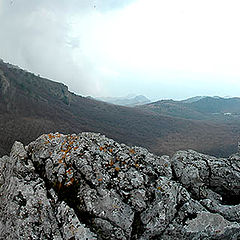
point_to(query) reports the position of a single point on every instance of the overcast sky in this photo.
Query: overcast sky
(158, 48)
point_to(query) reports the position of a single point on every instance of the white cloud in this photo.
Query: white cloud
(188, 35)
(153, 46)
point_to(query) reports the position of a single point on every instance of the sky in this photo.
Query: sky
(161, 49)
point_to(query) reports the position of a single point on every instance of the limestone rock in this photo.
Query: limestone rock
(26, 209)
(200, 173)
(87, 186)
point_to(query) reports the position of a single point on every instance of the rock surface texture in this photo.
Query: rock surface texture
(87, 186)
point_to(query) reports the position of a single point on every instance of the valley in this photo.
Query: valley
(31, 105)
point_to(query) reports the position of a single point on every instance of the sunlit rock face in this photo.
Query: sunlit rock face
(87, 186)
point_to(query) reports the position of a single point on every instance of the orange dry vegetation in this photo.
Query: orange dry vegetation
(111, 162)
(132, 151)
(51, 136)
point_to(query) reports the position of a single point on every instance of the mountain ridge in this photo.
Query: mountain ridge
(31, 105)
(199, 108)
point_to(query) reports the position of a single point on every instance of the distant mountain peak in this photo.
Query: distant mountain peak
(129, 100)
(193, 99)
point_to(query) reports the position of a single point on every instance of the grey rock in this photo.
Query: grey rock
(26, 210)
(169, 196)
(210, 226)
(195, 222)
(108, 205)
(231, 213)
(71, 227)
(88, 186)
(200, 173)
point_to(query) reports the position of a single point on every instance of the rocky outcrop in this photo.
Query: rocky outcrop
(87, 186)
(28, 210)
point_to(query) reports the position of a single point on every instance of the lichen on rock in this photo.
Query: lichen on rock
(88, 186)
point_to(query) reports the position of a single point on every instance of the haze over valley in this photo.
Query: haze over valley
(31, 105)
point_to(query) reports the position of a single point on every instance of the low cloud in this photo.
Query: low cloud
(162, 49)
(37, 36)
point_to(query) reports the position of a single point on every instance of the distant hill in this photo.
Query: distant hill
(174, 109)
(199, 108)
(193, 99)
(31, 105)
(129, 101)
(217, 105)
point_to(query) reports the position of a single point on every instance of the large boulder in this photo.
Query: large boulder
(87, 186)
(202, 174)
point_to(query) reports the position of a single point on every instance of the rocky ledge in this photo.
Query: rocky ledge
(87, 186)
